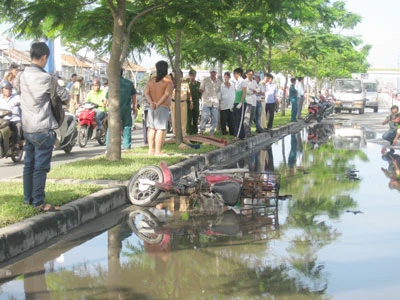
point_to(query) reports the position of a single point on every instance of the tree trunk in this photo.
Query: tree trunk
(113, 73)
(178, 81)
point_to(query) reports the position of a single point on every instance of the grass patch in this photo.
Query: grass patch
(13, 209)
(100, 168)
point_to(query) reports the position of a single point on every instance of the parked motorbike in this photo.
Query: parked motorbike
(88, 127)
(226, 187)
(318, 109)
(7, 148)
(67, 133)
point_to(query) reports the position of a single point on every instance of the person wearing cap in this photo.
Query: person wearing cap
(76, 94)
(104, 88)
(193, 104)
(98, 97)
(209, 89)
(11, 102)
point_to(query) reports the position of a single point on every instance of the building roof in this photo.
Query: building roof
(72, 61)
(16, 56)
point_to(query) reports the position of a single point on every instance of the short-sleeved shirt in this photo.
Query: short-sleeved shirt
(251, 96)
(239, 85)
(126, 91)
(227, 96)
(184, 91)
(270, 92)
(210, 90)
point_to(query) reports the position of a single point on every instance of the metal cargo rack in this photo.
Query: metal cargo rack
(260, 189)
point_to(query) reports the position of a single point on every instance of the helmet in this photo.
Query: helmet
(6, 85)
(96, 81)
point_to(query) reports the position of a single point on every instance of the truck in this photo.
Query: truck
(371, 91)
(349, 95)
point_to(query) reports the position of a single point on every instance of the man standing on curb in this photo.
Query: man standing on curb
(270, 98)
(127, 107)
(38, 124)
(300, 96)
(194, 104)
(209, 89)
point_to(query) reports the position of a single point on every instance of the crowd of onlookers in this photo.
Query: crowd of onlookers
(232, 105)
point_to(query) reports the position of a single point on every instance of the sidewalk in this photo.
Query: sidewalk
(41, 229)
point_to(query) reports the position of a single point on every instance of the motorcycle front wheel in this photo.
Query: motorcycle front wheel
(83, 136)
(143, 223)
(308, 117)
(102, 139)
(143, 194)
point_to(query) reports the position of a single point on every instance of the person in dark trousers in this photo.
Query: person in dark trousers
(226, 98)
(239, 107)
(271, 92)
(127, 107)
(293, 99)
(38, 124)
(193, 111)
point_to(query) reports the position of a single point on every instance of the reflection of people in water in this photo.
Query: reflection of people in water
(292, 154)
(35, 285)
(393, 170)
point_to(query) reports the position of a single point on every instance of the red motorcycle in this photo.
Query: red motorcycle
(88, 126)
(319, 109)
(225, 187)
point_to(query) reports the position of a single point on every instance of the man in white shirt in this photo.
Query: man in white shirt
(300, 96)
(259, 116)
(271, 92)
(226, 98)
(209, 89)
(252, 90)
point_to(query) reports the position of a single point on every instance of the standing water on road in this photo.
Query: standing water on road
(337, 237)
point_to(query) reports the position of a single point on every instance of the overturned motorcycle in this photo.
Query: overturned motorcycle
(226, 187)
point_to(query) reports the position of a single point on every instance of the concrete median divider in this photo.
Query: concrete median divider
(41, 229)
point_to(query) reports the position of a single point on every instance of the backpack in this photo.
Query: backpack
(56, 102)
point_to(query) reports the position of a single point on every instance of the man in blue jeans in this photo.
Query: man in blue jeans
(38, 124)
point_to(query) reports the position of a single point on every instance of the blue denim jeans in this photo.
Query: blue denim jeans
(100, 115)
(38, 151)
(389, 136)
(206, 111)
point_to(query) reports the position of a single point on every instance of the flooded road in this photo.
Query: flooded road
(337, 237)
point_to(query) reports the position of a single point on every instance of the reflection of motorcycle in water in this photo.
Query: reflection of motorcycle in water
(320, 134)
(6, 139)
(157, 226)
(225, 186)
(318, 109)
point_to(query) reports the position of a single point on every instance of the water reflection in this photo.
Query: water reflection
(392, 172)
(293, 249)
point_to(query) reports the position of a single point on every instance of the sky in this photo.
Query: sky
(377, 28)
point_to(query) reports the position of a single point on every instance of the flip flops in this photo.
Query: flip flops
(47, 207)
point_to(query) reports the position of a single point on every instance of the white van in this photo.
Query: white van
(371, 91)
(349, 95)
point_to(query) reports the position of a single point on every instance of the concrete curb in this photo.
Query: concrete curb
(33, 232)
(28, 234)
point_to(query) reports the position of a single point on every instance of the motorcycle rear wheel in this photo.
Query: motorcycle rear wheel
(144, 195)
(68, 148)
(83, 136)
(16, 156)
(102, 140)
(307, 118)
